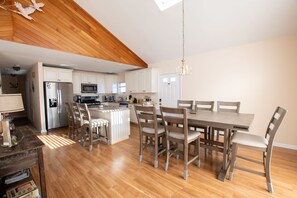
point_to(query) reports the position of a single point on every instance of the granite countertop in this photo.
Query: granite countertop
(108, 109)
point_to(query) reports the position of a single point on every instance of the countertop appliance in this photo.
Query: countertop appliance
(89, 88)
(91, 101)
(55, 95)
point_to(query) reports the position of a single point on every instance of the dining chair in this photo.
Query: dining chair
(223, 106)
(77, 124)
(149, 127)
(71, 121)
(172, 117)
(92, 127)
(203, 106)
(259, 143)
(188, 104)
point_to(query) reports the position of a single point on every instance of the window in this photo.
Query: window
(164, 4)
(122, 87)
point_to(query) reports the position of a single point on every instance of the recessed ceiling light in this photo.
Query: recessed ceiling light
(65, 65)
(164, 4)
(68, 65)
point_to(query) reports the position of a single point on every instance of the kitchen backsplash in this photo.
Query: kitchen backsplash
(139, 96)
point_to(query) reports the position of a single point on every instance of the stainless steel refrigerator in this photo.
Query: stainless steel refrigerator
(56, 94)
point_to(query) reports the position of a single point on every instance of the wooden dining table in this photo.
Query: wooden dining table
(229, 122)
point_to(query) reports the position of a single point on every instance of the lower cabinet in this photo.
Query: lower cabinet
(133, 117)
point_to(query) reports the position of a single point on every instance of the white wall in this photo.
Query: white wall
(261, 75)
(36, 97)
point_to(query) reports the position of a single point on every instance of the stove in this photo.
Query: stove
(91, 101)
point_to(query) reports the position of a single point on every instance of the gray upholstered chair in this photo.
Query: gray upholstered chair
(92, 127)
(173, 118)
(259, 143)
(149, 127)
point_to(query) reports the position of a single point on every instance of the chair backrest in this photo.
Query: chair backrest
(69, 112)
(188, 104)
(204, 105)
(175, 120)
(228, 106)
(76, 113)
(147, 117)
(85, 115)
(274, 124)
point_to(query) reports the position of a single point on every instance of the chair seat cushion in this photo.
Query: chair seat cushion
(152, 131)
(98, 122)
(250, 140)
(191, 135)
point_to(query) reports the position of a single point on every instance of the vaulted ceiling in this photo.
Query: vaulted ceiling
(154, 35)
(209, 24)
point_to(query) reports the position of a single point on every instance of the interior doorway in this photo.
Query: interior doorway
(12, 84)
(169, 89)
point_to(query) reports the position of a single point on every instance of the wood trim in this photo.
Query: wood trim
(65, 26)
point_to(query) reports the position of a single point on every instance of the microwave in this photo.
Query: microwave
(88, 88)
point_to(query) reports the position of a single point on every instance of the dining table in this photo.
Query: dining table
(229, 122)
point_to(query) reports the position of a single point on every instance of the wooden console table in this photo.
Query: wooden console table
(24, 155)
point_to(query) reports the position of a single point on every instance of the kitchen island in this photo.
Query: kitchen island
(119, 122)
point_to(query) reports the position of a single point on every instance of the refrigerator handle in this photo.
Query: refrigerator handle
(59, 100)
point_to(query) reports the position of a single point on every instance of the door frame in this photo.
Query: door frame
(179, 83)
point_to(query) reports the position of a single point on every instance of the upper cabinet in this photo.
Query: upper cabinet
(57, 74)
(77, 82)
(142, 81)
(101, 83)
(88, 77)
(111, 83)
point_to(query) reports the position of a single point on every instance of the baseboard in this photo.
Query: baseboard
(288, 146)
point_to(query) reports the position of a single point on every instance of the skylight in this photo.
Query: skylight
(164, 4)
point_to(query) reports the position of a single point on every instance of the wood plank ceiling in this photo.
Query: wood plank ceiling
(65, 26)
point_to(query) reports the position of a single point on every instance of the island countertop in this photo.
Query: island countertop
(108, 109)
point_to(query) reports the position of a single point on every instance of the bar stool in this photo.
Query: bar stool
(92, 127)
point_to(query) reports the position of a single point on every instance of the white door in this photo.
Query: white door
(169, 90)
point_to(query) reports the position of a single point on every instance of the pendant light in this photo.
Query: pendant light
(183, 69)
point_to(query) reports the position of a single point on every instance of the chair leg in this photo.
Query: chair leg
(233, 160)
(167, 154)
(197, 151)
(186, 156)
(91, 139)
(156, 151)
(140, 147)
(268, 176)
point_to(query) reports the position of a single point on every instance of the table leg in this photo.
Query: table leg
(223, 171)
(41, 172)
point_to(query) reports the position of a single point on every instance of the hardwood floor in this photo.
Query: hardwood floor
(114, 171)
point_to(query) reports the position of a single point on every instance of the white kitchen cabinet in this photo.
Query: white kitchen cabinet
(133, 117)
(88, 77)
(142, 81)
(101, 83)
(57, 74)
(132, 81)
(76, 82)
(111, 83)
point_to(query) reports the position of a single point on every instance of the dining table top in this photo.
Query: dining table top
(228, 120)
